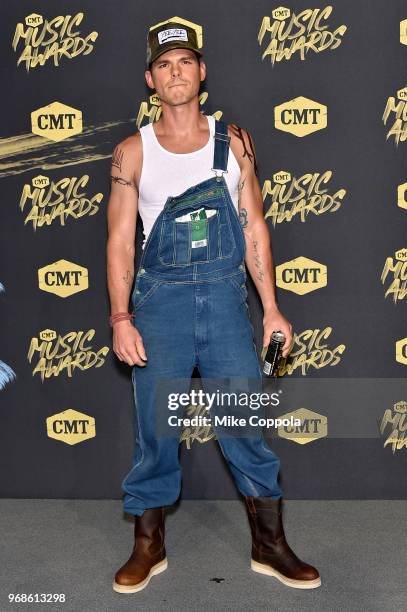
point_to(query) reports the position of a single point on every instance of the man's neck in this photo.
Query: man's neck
(181, 120)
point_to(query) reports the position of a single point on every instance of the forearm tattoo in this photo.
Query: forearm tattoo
(117, 158)
(237, 131)
(258, 262)
(240, 189)
(243, 217)
(242, 211)
(128, 279)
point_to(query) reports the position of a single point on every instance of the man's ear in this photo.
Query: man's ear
(149, 79)
(202, 68)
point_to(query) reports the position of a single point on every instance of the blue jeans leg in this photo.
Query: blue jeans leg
(227, 349)
(165, 322)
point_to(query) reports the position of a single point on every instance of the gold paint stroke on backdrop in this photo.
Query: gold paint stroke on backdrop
(28, 152)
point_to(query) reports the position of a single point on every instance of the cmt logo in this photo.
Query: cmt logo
(282, 177)
(34, 20)
(403, 32)
(48, 335)
(281, 13)
(313, 426)
(402, 195)
(56, 121)
(63, 278)
(40, 181)
(301, 275)
(300, 116)
(71, 427)
(401, 351)
(402, 94)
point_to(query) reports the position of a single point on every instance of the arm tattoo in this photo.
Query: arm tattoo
(121, 181)
(237, 131)
(243, 217)
(242, 211)
(117, 158)
(257, 261)
(128, 279)
(240, 188)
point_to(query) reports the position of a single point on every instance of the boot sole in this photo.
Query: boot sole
(297, 584)
(130, 588)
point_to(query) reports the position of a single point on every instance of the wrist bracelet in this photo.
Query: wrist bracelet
(120, 316)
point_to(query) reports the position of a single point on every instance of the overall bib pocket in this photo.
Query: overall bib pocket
(184, 242)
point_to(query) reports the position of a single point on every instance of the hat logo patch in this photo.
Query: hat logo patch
(172, 34)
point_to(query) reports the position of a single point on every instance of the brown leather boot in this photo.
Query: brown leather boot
(148, 557)
(271, 553)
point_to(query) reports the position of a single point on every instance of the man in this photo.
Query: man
(194, 182)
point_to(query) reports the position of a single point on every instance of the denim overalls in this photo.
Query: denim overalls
(189, 303)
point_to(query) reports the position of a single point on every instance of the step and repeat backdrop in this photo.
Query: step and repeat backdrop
(322, 90)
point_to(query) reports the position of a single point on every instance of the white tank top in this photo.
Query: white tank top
(167, 174)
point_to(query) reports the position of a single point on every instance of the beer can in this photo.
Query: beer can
(273, 354)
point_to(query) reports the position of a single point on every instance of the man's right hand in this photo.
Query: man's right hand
(128, 344)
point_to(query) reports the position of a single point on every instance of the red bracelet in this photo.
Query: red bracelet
(120, 316)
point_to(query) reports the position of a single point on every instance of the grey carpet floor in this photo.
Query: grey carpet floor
(75, 547)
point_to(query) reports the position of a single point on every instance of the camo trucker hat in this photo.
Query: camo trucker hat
(170, 35)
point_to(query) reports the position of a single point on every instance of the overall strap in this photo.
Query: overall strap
(221, 149)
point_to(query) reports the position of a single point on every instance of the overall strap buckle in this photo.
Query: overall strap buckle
(219, 173)
(221, 149)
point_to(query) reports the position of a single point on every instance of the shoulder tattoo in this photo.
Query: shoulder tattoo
(248, 150)
(117, 160)
(117, 157)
